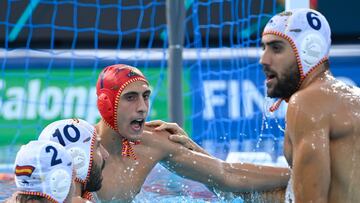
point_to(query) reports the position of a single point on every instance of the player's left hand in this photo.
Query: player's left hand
(177, 134)
(172, 128)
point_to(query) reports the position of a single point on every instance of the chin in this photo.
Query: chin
(270, 94)
(135, 135)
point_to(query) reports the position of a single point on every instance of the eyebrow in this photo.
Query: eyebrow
(136, 93)
(272, 42)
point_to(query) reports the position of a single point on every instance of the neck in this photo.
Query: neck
(313, 76)
(110, 139)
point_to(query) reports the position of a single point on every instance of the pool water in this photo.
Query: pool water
(160, 186)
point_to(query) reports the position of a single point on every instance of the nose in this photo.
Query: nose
(265, 58)
(104, 152)
(142, 106)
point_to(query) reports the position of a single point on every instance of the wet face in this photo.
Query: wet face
(279, 66)
(132, 109)
(98, 164)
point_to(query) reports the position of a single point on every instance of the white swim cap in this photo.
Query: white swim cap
(44, 168)
(309, 34)
(78, 137)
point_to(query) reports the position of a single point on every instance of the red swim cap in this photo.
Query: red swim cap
(111, 82)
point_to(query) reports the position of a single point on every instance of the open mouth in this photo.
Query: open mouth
(137, 124)
(269, 76)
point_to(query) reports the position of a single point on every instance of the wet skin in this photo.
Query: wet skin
(124, 176)
(322, 134)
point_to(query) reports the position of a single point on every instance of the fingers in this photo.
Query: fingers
(181, 139)
(171, 127)
(187, 143)
(178, 139)
(154, 123)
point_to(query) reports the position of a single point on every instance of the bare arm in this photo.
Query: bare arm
(231, 177)
(213, 172)
(308, 130)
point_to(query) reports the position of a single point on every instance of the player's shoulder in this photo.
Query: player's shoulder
(158, 141)
(309, 105)
(302, 99)
(313, 97)
(155, 137)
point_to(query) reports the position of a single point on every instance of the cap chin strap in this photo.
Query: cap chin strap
(275, 106)
(127, 149)
(89, 196)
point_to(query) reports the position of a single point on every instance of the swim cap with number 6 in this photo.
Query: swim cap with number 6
(309, 34)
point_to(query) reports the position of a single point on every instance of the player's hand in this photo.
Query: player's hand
(172, 128)
(187, 142)
(177, 134)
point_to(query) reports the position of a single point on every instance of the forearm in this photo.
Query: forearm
(228, 177)
(250, 177)
(196, 166)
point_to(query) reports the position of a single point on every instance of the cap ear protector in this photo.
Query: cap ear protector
(311, 48)
(58, 180)
(105, 102)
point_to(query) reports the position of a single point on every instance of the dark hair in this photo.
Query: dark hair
(23, 198)
(327, 64)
